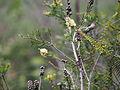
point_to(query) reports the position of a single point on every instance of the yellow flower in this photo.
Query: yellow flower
(50, 77)
(66, 35)
(59, 3)
(43, 52)
(46, 13)
(70, 22)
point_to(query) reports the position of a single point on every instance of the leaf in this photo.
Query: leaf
(4, 68)
(92, 41)
(99, 45)
(7, 66)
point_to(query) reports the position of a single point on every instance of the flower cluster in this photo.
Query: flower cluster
(50, 76)
(46, 13)
(59, 3)
(43, 51)
(70, 22)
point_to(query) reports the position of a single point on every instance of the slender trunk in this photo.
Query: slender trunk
(77, 60)
(81, 78)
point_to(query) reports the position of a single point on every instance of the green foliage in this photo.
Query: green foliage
(101, 81)
(103, 40)
(56, 10)
(4, 69)
(106, 44)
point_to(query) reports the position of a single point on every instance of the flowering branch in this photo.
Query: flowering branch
(49, 44)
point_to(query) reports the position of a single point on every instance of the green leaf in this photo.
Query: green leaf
(4, 68)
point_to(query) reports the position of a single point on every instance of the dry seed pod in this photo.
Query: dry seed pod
(42, 70)
(68, 9)
(90, 5)
(30, 85)
(36, 85)
(91, 2)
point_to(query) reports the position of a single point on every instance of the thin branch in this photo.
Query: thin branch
(74, 49)
(81, 76)
(80, 58)
(5, 82)
(78, 45)
(89, 82)
(54, 66)
(72, 80)
(94, 66)
(71, 77)
(115, 21)
(52, 45)
(77, 60)
(85, 71)
(103, 27)
(67, 76)
(39, 82)
(62, 60)
(1, 84)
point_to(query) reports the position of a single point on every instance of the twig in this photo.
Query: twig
(5, 82)
(93, 71)
(115, 21)
(71, 81)
(78, 45)
(53, 65)
(52, 45)
(62, 60)
(81, 76)
(1, 85)
(85, 71)
(74, 51)
(81, 60)
(39, 82)
(67, 76)
(77, 60)
(94, 66)
(73, 46)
